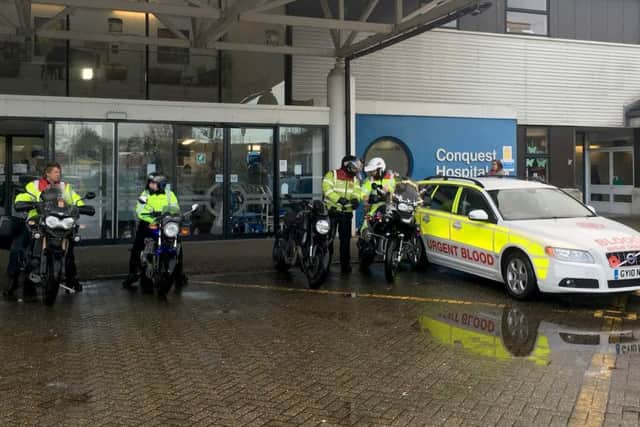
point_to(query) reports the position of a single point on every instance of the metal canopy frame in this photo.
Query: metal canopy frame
(213, 23)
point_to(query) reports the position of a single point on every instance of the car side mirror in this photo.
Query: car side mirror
(142, 200)
(592, 209)
(90, 195)
(478, 215)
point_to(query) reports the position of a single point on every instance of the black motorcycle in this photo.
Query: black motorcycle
(303, 240)
(53, 231)
(391, 232)
(163, 248)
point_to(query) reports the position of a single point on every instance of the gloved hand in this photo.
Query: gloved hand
(355, 203)
(343, 201)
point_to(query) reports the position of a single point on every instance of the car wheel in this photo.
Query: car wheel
(519, 277)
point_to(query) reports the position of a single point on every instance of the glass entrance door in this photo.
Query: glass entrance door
(250, 181)
(22, 159)
(611, 179)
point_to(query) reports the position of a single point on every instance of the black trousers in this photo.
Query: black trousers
(341, 223)
(138, 246)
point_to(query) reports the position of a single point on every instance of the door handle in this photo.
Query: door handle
(457, 225)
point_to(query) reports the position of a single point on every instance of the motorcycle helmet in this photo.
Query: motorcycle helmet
(159, 179)
(351, 164)
(376, 165)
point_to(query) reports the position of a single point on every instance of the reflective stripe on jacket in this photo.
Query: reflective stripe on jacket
(156, 202)
(32, 194)
(335, 187)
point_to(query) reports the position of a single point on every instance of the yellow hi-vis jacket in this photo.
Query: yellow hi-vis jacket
(32, 194)
(336, 185)
(388, 184)
(156, 202)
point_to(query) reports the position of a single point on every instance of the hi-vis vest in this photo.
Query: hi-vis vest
(155, 203)
(333, 189)
(32, 194)
(388, 184)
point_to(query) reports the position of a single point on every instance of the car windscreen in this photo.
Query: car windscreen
(537, 203)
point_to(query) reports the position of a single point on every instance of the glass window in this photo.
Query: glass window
(143, 148)
(301, 166)
(537, 153)
(537, 203)
(252, 77)
(85, 152)
(200, 165)
(40, 71)
(175, 74)
(28, 162)
(471, 200)
(3, 176)
(527, 23)
(527, 4)
(110, 70)
(599, 161)
(451, 24)
(443, 198)
(251, 181)
(579, 161)
(395, 154)
(622, 168)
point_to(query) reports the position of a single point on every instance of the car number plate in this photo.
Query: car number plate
(626, 273)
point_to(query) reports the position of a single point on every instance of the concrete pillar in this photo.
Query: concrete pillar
(337, 115)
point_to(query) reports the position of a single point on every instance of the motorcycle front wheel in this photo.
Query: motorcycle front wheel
(391, 260)
(317, 267)
(52, 280)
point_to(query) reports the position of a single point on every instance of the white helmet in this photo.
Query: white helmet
(376, 164)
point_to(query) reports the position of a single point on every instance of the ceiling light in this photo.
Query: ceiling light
(87, 74)
(188, 141)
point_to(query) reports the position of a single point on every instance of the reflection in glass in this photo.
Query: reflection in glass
(200, 179)
(393, 152)
(622, 168)
(526, 23)
(143, 148)
(85, 152)
(599, 161)
(102, 69)
(528, 4)
(251, 181)
(579, 161)
(301, 153)
(537, 141)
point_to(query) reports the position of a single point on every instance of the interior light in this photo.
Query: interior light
(87, 74)
(188, 141)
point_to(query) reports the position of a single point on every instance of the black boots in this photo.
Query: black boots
(129, 282)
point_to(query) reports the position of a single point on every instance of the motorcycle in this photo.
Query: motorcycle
(163, 248)
(391, 232)
(303, 240)
(53, 231)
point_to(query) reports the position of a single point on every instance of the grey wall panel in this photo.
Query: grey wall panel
(598, 20)
(563, 18)
(615, 21)
(631, 21)
(547, 81)
(583, 20)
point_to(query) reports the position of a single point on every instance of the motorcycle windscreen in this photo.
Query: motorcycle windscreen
(172, 210)
(407, 191)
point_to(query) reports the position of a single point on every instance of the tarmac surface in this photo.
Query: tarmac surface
(438, 348)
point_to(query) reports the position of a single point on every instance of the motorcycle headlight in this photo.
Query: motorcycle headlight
(322, 226)
(403, 207)
(570, 255)
(171, 229)
(52, 222)
(68, 223)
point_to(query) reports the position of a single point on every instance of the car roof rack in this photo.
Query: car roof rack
(459, 178)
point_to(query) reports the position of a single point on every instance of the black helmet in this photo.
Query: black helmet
(159, 179)
(351, 164)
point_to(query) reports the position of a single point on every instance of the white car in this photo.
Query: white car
(528, 235)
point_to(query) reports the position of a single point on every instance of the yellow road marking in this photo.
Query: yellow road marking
(342, 293)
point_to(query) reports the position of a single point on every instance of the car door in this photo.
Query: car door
(473, 239)
(435, 224)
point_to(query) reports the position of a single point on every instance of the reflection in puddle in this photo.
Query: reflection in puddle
(527, 332)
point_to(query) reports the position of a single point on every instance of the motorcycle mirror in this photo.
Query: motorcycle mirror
(142, 200)
(90, 195)
(195, 207)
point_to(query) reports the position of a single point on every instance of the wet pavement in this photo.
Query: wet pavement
(439, 348)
